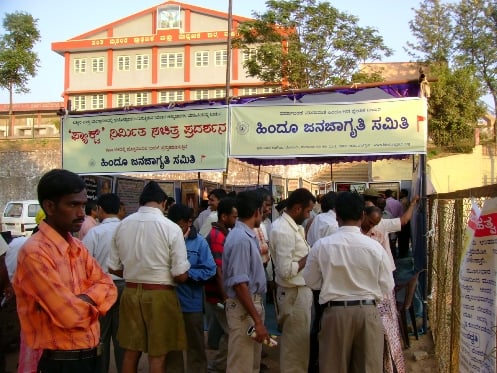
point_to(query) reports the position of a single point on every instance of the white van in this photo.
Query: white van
(19, 217)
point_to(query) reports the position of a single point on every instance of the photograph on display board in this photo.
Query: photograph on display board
(207, 187)
(351, 186)
(190, 194)
(381, 187)
(97, 185)
(168, 188)
(292, 184)
(129, 191)
(278, 189)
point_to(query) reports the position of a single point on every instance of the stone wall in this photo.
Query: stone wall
(22, 164)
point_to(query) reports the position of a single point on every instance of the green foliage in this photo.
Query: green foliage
(476, 41)
(18, 62)
(432, 27)
(308, 44)
(454, 107)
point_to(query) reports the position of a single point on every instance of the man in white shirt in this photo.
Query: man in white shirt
(324, 223)
(289, 250)
(98, 241)
(149, 251)
(215, 197)
(352, 272)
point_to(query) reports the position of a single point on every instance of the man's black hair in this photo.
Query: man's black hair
(57, 183)
(349, 206)
(247, 203)
(152, 192)
(225, 206)
(301, 197)
(110, 203)
(328, 201)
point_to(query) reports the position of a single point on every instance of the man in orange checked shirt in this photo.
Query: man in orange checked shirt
(60, 288)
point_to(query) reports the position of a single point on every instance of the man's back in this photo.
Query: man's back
(150, 247)
(354, 266)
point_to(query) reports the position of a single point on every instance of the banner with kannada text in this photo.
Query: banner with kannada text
(173, 140)
(477, 281)
(396, 126)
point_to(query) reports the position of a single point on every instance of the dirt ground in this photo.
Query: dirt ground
(424, 344)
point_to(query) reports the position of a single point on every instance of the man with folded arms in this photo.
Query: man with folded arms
(151, 250)
(352, 272)
(61, 289)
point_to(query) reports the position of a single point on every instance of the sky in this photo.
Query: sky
(60, 20)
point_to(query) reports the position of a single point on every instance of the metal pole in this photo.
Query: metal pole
(228, 75)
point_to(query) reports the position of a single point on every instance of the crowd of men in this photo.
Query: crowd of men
(148, 282)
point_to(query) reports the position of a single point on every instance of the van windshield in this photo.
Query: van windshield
(13, 210)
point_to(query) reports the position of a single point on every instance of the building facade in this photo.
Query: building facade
(172, 52)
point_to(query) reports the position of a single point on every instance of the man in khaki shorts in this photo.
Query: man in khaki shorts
(152, 251)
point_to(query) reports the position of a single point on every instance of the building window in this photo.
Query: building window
(142, 61)
(221, 57)
(142, 98)
(201, 94)
(171, 96)
(218, 93)
(267, 90)
(80, 65)
(170, 60)
(97, 65)
(123, 99)
(97, 101)
(202, 59)
(249, 91)
(79, 103)
(249, 54)
(123, 63)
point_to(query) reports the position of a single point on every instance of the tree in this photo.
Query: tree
(306, 44)
(433, 29)
(476, 41)
(18, 62)
(454, 105)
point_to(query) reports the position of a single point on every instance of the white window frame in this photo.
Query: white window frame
(79, 65)
(201, 94)
(202, 59)
(249, 91)
(248, 55)
(79, 103)
(97, 64)
(172, 60)
(142, 62)
(142, 98)
(171, 96)
(97, 101)
(219, 93)
(221, 57)
(123, 99)
(123, 63)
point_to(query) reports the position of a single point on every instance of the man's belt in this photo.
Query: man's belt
(135, 285)
(350, 303)
(87, 353)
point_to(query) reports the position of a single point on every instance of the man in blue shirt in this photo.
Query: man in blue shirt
(245, 284)
(190, 293)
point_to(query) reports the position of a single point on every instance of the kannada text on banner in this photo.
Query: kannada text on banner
(173, 140)
(477, 280)
(396, 126)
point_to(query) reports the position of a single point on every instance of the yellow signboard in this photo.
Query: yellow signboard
(396, 126)
(173, 140)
